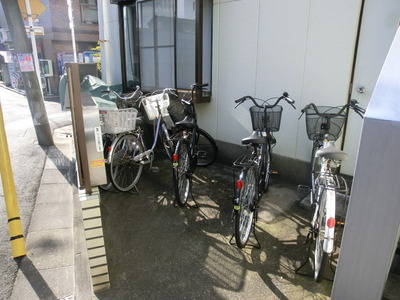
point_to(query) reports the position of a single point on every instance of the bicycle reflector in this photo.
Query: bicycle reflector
(109, 148)
(175, 158)
(239, 184)
(331, 222)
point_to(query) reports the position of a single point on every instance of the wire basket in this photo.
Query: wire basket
(328, 124)
(151, 104)
(117, 121)
(271, 120)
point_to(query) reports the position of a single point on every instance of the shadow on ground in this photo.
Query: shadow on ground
(156, 250)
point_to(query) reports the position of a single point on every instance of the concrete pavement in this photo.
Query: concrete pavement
(55, 266)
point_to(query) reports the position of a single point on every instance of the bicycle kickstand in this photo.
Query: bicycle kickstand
(309, 240)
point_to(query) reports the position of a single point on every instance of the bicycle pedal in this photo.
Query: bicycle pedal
(155, 169)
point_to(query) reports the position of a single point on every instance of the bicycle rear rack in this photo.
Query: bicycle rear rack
(245, 160)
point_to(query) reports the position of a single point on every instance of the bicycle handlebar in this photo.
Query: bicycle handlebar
(137, 93)
(285, 96)
(352, 104)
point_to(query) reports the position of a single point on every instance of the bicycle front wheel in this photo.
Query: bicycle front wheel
(124, 171)
(244, 212)
(181, 172)
(206, 148)
(321, 258)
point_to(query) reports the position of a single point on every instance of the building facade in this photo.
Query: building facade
(317, 51)
(55, 46)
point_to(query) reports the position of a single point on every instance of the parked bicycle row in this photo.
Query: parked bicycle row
(188, 146)
(129, 146)
(251, 176)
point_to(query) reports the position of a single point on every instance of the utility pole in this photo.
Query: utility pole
(31, 82)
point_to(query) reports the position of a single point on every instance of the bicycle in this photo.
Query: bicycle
(122, 101)
(254, 166)
(324, 125)
(194, 147)
(128, 153)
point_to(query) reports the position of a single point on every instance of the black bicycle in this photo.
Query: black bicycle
(194, 147)
(254, 166)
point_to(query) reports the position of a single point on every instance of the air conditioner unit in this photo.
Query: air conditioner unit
(4, 35)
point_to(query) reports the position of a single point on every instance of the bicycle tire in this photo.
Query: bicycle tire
(166, 141)
(321, 258)
(315, 161)
(125, 173)
(206, 148)
(181, 175)
(244, 212)
(107, 186)
(265, 165)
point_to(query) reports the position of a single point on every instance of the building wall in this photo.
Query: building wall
(263, 48)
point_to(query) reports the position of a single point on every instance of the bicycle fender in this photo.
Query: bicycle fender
(330, 213)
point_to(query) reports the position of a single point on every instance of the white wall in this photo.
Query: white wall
(379, 26)
(265, 47)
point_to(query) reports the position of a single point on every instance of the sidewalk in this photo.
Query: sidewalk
(54, 265)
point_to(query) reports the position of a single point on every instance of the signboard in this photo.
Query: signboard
(37, 30)
(37, 8)
(26, 62)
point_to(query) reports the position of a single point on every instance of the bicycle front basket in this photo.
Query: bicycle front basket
(271, 119)
(329, 124)
(117, 121)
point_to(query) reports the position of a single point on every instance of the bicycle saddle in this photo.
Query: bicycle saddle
(254, 138)
(186, 122)
(332, 152)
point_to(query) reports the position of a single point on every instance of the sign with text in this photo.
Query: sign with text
(26, 62)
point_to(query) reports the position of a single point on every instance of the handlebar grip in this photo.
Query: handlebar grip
(353, 102)
(305, 108)
(291, 101)
(199, 85)
(240, 100)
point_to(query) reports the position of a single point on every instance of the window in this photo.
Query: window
(166, 43)
(89, 11)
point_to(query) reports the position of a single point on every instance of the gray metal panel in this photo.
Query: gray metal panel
(94, 144)
(373, 219)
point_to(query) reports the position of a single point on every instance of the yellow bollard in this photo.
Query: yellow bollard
(10, 196)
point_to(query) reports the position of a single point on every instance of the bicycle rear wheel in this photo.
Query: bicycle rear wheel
(244, 212)
(321, 258)
(124, 172)
(206, 148)
(181, 172)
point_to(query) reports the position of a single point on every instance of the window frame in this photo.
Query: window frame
(199, 96)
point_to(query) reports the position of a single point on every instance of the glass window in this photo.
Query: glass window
(166, 43)
(89, 12)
